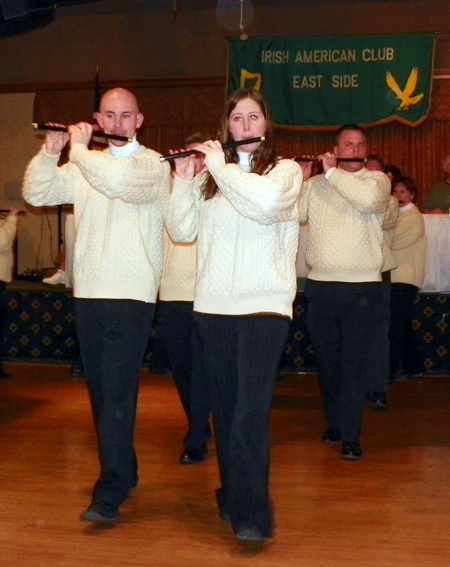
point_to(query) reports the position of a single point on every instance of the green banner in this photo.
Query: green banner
(324, 82)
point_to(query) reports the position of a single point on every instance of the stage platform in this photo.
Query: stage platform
(41, 328)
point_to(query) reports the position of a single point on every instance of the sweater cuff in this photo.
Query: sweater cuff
(52, 156)
(182, 184)
(215, 161)
(330, 172)
(77, 150)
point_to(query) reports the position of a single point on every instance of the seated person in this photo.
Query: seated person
(438, 198)
(408, 247)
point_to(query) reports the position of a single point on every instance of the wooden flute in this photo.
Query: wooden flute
(225, 146)
(95, 133)
(343, 159)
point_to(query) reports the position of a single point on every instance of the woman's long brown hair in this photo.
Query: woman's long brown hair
(263, 159)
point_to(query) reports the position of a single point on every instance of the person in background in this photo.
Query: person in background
(118, 196)
(409, 248)
(243, 211)
(392, 171)
(176, 300)
(438, 198)
(8, 231)
(374, 163)
(378, 359)
(60, 277)
(345, 209)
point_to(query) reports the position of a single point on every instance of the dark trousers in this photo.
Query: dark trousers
(341, 320)
(377, 364)
(113, 335)
(404, 353)
(2, 318)
(183, 349)
(241, 359)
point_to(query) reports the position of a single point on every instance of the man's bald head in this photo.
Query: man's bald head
(120, 94)
(119, 114)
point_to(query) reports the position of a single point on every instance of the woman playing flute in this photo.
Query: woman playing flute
(243, 211)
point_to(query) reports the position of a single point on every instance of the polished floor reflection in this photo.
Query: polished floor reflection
(392, 508)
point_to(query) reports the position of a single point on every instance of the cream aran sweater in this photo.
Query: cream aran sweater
(345, 215)
(8, 229)
(389, 224)
(179, 270)
(247, 236)
(409, 247)
(118, 212)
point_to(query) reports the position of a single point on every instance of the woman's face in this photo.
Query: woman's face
(403, 195)
(246, 121)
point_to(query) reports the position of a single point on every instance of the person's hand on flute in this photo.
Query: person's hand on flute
(55, 141)
(80, 133)
(184, 167)
(209, 147)
(328, 160)
(307, 166)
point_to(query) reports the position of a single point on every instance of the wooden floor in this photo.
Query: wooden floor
(392, 508)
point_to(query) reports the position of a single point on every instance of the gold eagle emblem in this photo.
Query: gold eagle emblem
(405, 95)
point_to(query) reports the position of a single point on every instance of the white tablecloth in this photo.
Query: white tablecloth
(437, 261)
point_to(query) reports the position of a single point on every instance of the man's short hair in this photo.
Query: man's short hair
(346, 127)
(392, 169)
(196, 138)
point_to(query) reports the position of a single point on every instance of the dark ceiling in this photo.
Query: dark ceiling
(130, 6)
(20, 16)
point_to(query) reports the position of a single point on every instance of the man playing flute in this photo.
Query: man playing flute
(118, 196)
(345, 208)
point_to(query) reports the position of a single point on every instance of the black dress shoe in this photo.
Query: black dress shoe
(161, 371)
(249, 533)
(416, 375)
(76, 371)
(3, 375)
(331, 436)
(351, 451)
(134, 485)
(379, 402)
(193, 454)
(100, 512)
(223, 509)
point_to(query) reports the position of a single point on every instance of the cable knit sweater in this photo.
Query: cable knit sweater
(345, 214)
(118, 213)
(247, 237)
(409, 247)
(179, 271)
(8, 229)
(389, 224)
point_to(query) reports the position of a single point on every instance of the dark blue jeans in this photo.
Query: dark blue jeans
(341, 321)
(186, 361)
(113, 335)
